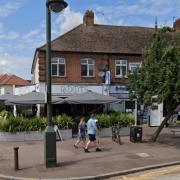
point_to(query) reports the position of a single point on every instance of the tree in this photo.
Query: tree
(159, 74)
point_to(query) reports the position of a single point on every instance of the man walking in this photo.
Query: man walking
(91, 131)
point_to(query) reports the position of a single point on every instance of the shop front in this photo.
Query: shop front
(120, 92)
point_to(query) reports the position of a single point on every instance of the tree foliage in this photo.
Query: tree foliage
(159, 74)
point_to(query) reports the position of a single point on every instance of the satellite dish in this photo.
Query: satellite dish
(101, 73)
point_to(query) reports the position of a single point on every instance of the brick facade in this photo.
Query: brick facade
(73, 67)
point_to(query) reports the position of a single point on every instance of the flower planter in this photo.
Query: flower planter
(21, 136)
(31, 136)
(125, 131)
(66, 134)
(105, 132)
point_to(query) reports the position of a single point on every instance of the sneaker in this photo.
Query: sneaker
(75, 146)
(86, 150)
(98, 150)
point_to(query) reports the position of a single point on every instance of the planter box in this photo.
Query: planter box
(66, 134)
(31, 136)
(125, 131)
(21, 136)
(105, 132)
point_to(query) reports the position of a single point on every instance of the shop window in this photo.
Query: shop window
(121, 68)
(87, 68)
(58, 67)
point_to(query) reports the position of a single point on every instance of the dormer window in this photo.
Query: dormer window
(87, 67)
(58, 67)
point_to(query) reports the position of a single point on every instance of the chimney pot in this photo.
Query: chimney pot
(88, 19)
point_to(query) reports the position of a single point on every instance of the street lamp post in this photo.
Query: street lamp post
(50, 135)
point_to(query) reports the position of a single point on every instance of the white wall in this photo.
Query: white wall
(24, 89)
(70, 89)
(6, 89)
(35, 75)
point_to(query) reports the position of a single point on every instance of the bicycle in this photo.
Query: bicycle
(116, 137)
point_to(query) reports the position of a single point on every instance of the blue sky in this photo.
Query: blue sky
(22, 24)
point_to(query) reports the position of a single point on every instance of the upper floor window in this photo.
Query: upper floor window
(87, 67)
(58, 67)
(133, 66)
(121, 68)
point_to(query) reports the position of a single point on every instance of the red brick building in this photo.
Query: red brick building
(80, 56)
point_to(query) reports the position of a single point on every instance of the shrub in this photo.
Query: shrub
(63, 121)
(36, 124)
(108, 120)
(19, 124)
(104, 120)
(3, 114)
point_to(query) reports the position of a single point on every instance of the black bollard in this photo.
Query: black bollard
(16, 159)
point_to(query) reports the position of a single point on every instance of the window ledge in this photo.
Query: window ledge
(87, 76)
(58, 76)
(121, 77)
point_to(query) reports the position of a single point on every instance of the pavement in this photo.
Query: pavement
(168, 173)
(75, 163)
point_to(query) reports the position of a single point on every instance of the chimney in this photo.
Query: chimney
(176, 25)
(88, 19)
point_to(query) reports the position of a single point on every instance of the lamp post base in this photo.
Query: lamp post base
(50, 147)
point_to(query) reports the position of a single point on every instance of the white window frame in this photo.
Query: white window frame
(120, 64)
(134, 64)
(58, 63)
(87, 63)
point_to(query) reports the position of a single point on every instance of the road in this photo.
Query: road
(168, 173)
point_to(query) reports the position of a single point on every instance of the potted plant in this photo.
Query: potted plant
(104, 124)
(64, 124)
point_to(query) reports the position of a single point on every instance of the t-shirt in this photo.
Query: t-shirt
(91, 126)
(82, 129)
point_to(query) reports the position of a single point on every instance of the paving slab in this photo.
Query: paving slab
(75, 163)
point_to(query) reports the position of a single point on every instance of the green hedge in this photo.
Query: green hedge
(20, 123)
(108, 120)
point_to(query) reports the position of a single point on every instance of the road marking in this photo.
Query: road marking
(153, 174)
(143, 155)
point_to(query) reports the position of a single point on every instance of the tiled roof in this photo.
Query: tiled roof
(6, 79)
(104, 39)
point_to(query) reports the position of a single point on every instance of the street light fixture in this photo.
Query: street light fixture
(50, 135)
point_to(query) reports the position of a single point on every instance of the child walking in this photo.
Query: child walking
(81, 133)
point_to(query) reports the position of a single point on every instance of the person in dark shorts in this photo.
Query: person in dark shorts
(81, 133)
(91, 130)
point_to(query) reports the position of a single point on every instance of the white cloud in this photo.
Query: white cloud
(11, 35)
(15, 64)
(10, 7)
(121, 9)
(68, 20)
(30, 35)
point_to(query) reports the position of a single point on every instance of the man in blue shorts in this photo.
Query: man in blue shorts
(91, 131)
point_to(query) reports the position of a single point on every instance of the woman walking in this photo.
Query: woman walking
(81, 133)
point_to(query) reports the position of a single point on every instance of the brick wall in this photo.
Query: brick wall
(73, 67)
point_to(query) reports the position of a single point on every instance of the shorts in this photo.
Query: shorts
(82, 137)
(92, 137)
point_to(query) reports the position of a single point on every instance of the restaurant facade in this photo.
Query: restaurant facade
(82, 57)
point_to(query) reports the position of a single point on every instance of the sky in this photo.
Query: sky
(23, 27)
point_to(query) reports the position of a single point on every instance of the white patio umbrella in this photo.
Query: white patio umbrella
(32, 98)
(91, 98)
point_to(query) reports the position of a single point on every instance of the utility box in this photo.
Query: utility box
(136, 134)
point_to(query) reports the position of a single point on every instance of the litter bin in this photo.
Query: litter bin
(136, 134)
